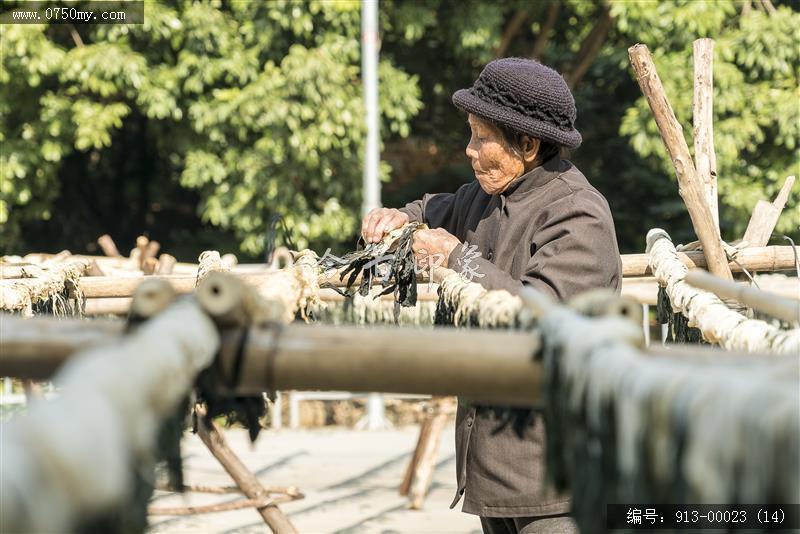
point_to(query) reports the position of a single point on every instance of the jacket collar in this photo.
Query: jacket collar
(535, 178)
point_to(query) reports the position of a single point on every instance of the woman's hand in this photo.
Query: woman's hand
(433, 247)
(380, 221)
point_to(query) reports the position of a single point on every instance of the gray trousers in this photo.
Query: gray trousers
(551, 524)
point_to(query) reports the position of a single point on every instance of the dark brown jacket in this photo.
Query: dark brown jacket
(549, 229)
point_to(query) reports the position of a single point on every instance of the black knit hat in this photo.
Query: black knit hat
(524, 96)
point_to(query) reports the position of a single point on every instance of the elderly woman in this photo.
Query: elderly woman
(534, 220)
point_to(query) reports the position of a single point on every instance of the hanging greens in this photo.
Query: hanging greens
(389, 263)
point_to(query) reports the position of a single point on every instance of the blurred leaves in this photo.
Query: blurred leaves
(256, 105)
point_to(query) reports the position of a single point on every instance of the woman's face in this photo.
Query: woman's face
(494, 162)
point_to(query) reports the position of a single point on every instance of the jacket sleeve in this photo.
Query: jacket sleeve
(575, 249)
(437, 210)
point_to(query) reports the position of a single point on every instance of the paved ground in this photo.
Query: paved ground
(349, 478)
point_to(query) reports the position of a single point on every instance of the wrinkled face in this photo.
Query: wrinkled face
(494, 162)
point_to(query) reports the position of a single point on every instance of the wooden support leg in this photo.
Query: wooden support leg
(247, 481)
(423, 472)
(419, 472)
(424, 431)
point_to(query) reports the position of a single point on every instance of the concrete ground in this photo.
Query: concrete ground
(349, 478)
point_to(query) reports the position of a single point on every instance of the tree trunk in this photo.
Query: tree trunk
(543, 38)
(590, 48)
(511, 31)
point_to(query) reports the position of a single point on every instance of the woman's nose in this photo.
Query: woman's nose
(471, 152)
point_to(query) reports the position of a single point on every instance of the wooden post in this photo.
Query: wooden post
(108, 246)
(419, 472)
(166, 264)
(149, 266)
(247, 481)
(423, 471)
(151, 298)
(704, 156)
(408, 477)
(141, 248)
(151, 250)
(689, 185)
(765, 217)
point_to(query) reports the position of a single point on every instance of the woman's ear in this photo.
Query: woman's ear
(530, 148)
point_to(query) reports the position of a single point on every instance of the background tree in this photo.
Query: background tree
(230, 112)
(202, 123)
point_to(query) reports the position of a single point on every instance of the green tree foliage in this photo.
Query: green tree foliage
(256, 105)
(209, 118)
(756, 97)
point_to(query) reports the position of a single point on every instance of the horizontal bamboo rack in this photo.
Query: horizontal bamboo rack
(493, 367)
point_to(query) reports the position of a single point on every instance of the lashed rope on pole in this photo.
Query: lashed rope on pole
(465, 303)
(622, 426)
(51, 286)
(718, 323)
(115, 394)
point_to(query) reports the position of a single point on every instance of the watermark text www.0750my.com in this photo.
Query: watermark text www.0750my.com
(93, 12)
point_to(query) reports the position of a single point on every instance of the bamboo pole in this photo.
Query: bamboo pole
(35, 348)
(764, 259)
(151, 298)
(120, 305)
(231, 302)
(107, 306)
(247, 481)
(123, 286)
(690, 187)
(495, 367)
(774, 305)
(644, 289)
(436, 362)
(772, 258)
(775, 258)
(704, 155)
(31, 270)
